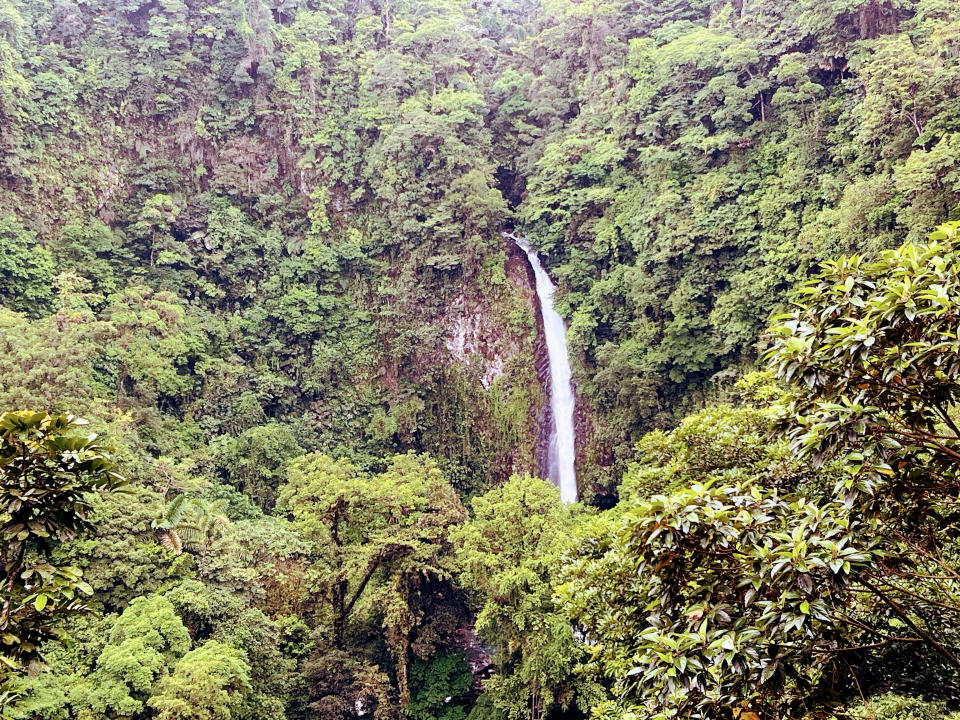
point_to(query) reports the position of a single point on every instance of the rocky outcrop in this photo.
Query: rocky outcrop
(471, 341)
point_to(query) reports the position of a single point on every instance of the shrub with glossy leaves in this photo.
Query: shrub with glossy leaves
(695, 602)
(47, 475)
(874, 347)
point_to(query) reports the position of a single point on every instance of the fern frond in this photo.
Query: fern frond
(218, 508)
(175, 510)
(171, 540)
(218, 524)
(192, 535)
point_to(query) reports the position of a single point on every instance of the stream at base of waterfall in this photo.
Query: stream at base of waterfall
(562, 452)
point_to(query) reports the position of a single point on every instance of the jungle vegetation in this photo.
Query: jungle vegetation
(269, 400)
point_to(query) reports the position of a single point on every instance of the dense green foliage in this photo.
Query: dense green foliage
(754, 585)
(48, 473)
(258, 245)
(309, 197)
(226, 248)
(719, 152)
(508, 555)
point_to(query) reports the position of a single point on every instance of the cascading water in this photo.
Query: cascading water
(560, 463)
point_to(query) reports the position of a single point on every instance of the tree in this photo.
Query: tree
(871, 351)
(727, 593)
(719, 444)
(15, 88)
(273, 650)
(254, 460)
(148, 338)
(378, 543)
(211, 682)
(904, 89)
(713, 597)
(143, 647)
(26, 269)
(47, 476)
(507, 555)
(436, 686)
(193, 524)
(156, 217)
(42, 366)
(871, 343)
(123, 560)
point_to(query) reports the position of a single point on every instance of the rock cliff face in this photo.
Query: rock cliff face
(509, 360)
(493, 338)
(471, 340)
(479, 338)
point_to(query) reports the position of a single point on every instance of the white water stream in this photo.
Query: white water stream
(560, 462)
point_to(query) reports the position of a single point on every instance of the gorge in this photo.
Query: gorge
(475, 360)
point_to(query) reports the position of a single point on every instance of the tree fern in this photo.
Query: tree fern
(169, 527)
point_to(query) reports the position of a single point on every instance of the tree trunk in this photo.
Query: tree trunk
(893, 24)
(866, 22)
(875, 18)
(121, 379)
(402, 679)
(339, 613)
(535, 709)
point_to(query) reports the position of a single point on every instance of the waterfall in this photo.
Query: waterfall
(560, 463)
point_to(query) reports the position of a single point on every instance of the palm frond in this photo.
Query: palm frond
(218, 525)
